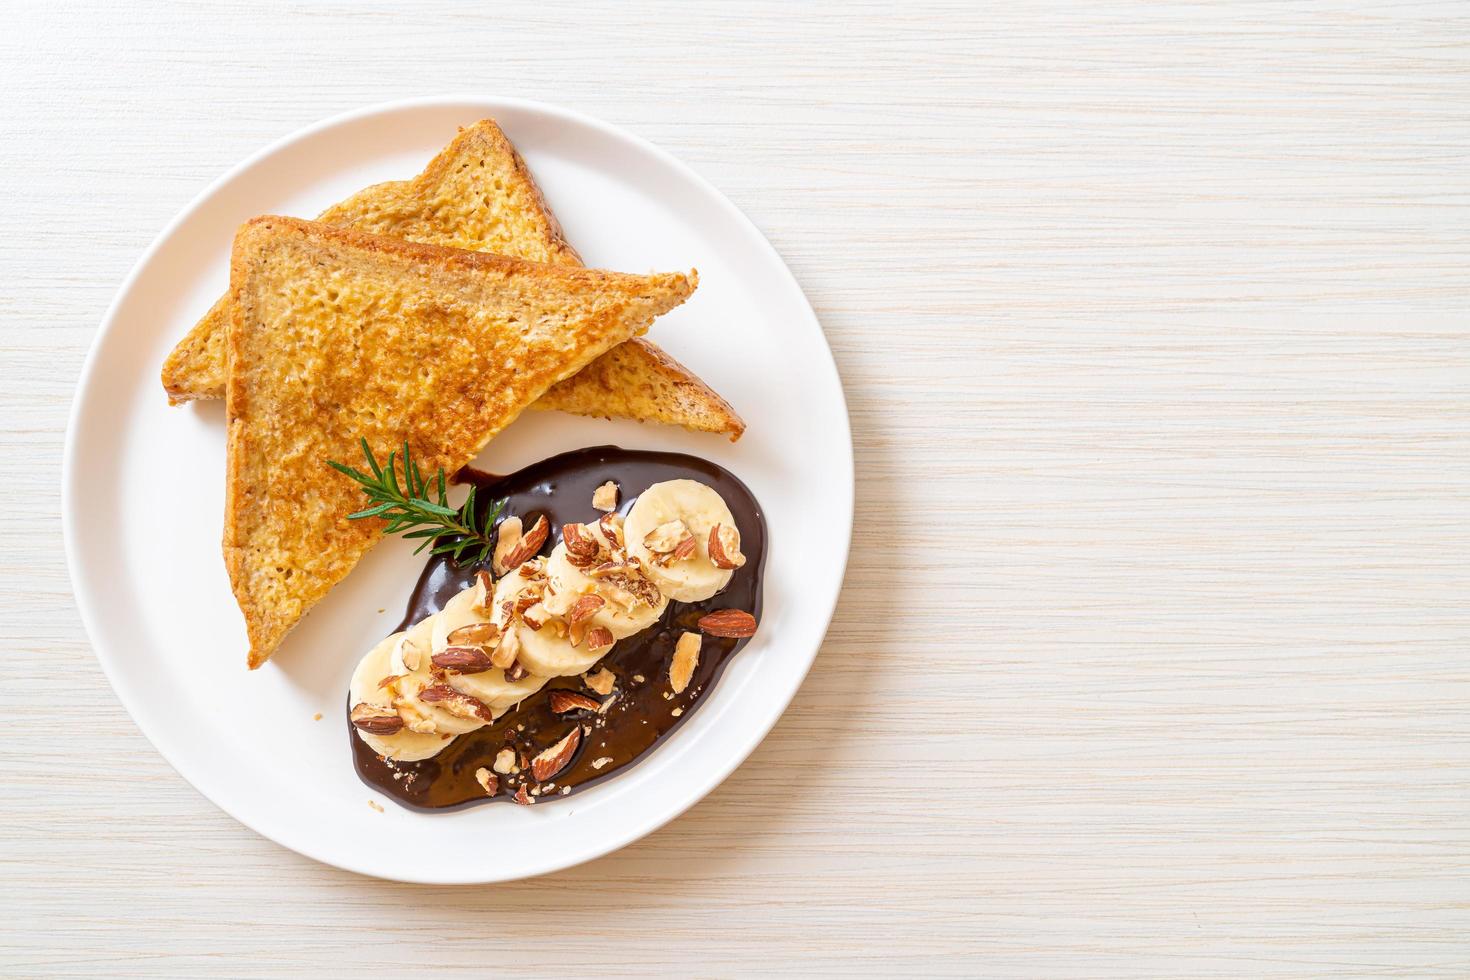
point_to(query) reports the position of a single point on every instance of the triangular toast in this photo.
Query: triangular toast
(477, 194)
(338, 336)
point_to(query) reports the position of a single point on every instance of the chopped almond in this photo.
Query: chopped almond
(601, 682)
(556, 758)
(599, 639)
(686, 658)
(605, 497)
(724, 547)
(506, 650)
(582, 546)
(563, 702)
(507, 538)
(666, 537)
(585, 608)
(374, 720)
(487, 780)
(529, 544)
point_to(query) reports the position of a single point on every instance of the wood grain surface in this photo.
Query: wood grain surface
(1154, 652)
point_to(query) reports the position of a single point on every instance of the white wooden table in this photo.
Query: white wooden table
(1154, 655)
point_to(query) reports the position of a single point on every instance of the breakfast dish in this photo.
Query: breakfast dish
(336, 338)
(560, 662)
(477, 194)
(144, 497)
(340, 337)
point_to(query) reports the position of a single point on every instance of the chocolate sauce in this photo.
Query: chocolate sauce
(640, 715)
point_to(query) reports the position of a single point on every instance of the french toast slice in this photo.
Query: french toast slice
(338, 336)
(477, 194)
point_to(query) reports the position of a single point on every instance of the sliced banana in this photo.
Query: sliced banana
(491, 687)
(700, 507)
(411, 652)
(404, 745)
(545, 652)
(566, 583)
(457, 612)
(410, 656)
(444, 721)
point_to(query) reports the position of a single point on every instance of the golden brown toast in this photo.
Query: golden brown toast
(477, 194)
(338, 336)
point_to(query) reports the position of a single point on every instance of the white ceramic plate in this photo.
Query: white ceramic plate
(143, 495)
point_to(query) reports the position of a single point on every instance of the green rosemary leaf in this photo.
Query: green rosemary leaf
(371, 511)
(410, 508)
(349, 471)
(390, 472)
(410, 486)
(467, 511)
(371, 460)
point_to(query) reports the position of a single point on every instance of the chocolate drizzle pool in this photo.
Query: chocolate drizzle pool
(561, 488)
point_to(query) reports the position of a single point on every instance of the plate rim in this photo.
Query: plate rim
(71, 494)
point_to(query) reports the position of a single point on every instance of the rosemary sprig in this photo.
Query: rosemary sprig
(420, 508)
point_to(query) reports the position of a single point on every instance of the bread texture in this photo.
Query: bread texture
(338, 336)
(477, 194)
(638, 380)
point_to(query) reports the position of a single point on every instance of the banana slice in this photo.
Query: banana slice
(429, 713)
(491, 687)
(412, 651)
(410, 656)
(545, 652)
(406, 657)
(488, 685)
(566, 583)
(404, 745)
(700, 508)
(457, 612)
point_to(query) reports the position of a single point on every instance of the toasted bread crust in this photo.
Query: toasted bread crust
(516, 221)
(337, 335)
(520, 224)
(638, 380)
